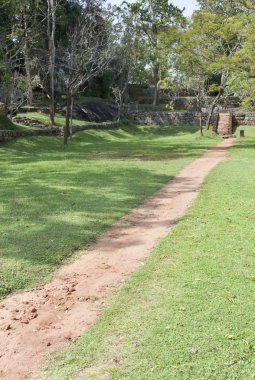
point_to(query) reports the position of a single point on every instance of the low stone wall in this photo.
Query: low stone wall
(190, 103)
(151, 117)
(28, 122)
(148, 117)
(141, 115)
(9, 135)
(54, 131)
(247, 118)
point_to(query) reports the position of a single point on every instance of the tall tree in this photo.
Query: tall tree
(129, 65)
(151, 18)
(25, 33)
(86, 53)
(208, 50)
(242, 81)
(51, 30)
(221, 7)
(15, 86)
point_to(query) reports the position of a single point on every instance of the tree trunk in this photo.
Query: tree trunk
(119, 113)
(199, 98)
(212, 107)
(51, 21)
(120, 104)
(27, 63)
(71, 117)
(224, 78)
(156, 84)
(67, 123)
(201, 122)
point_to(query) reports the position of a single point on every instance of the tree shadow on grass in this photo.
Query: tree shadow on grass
(134, 139)
(34, 150)
(45, 219)
(45, 233)
(55, 199)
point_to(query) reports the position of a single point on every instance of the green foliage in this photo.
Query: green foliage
(242, 81)
(188, 313)
(67, 15)
(218, 43)
(226, 29)
(206, 54)
(55, 199)
(154, 16)
(221, 7)
(131, 52)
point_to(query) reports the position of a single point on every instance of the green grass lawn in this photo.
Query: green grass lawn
(54, 200)
(44, 118)
(188, 314)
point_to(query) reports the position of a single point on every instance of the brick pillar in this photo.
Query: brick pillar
(225, 124)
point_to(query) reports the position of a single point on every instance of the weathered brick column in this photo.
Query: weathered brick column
(225, 124)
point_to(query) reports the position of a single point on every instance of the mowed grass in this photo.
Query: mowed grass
(188, 314)
(55, 200)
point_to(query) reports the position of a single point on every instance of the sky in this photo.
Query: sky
(190, 5)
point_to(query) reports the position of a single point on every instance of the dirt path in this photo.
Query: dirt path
(37, 322)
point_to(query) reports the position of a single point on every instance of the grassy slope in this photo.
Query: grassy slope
(188, 314)
(44, 118)
(7, 124)
(54, 200)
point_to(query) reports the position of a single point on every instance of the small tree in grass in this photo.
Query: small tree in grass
(88, 52)
(191, 64)
(208, 49)
(129, 63)
(151, 19)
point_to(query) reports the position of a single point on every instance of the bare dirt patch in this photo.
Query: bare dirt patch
(43, 320)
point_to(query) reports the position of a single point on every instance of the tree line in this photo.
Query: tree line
(64, 47)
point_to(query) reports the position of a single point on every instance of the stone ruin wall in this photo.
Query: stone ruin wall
(247, 118)
(143, 115)
(152, 117)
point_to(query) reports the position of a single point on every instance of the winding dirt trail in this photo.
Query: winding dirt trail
(43, 320)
